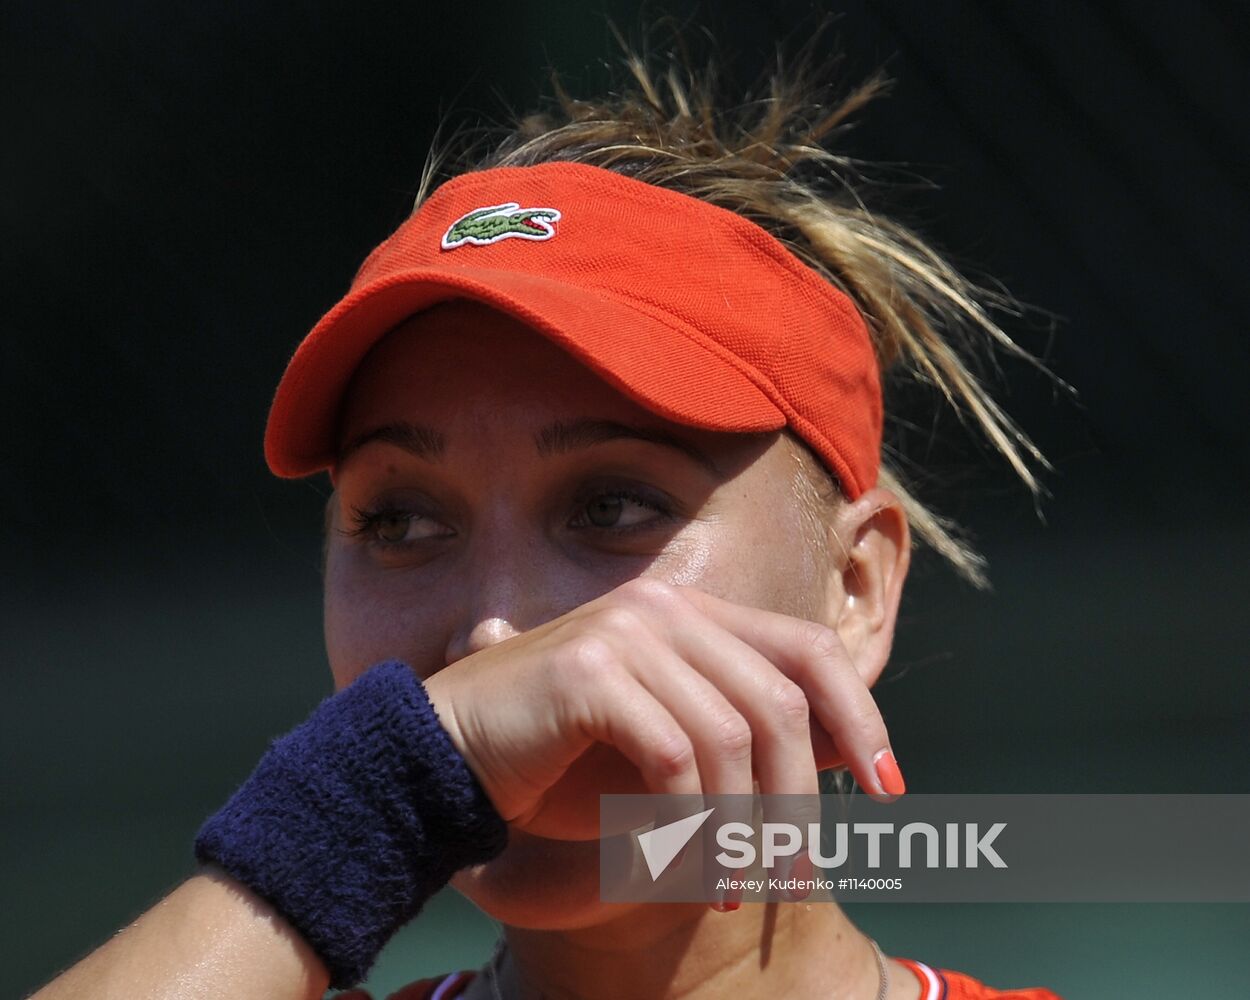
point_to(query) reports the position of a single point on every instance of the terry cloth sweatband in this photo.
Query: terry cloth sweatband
(354, 818)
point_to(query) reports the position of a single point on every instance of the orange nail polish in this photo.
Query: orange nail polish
(801, 871)
(730, 900)
(888, 774)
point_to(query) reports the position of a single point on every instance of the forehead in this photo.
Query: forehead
(472, 373)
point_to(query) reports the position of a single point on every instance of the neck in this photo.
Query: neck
(760, 952)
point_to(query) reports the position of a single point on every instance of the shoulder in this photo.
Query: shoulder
(943, 984)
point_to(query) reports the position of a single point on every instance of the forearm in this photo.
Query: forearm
(210, 937)
(347, 825)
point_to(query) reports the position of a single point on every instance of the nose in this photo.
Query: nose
(476, 636)
(511, 583)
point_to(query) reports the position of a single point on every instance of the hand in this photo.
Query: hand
(658, 688)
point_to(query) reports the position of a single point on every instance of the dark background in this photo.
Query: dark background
(187, 187)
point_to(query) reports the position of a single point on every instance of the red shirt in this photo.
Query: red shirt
(935, 984)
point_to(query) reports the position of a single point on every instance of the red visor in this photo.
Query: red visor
(688, 309)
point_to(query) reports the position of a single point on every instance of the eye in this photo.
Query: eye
(619, 510)
(604, 511)
(391, 526)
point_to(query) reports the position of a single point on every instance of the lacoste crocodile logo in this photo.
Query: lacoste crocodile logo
(499, 222)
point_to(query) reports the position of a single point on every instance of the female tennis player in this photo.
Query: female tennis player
(604, 424)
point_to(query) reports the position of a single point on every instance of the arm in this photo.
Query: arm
(347, 825)
(355, 818)
(210, 937)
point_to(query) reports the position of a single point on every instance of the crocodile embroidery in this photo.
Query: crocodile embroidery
(498, 222)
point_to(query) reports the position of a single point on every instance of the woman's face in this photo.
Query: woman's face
(488, 483)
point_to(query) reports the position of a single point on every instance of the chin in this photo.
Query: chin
(540, 884)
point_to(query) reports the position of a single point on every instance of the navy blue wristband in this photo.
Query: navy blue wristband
(354, 818)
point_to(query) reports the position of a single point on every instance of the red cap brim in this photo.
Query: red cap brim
(689, 309)
(674, 372)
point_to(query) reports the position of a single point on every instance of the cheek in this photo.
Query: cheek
(760, 556)
(790, 567)
(369, 618)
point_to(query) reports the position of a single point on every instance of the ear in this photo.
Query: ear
(870, 550)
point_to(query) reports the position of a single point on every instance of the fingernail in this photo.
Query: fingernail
(730, 900)
(801, 872)
(888, 774)
(788, 867)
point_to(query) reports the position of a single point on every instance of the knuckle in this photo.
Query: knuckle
(733, 738)
(791, 706)
(674, 755)
(821, 641)
(619, 619)
(650, 593)
(585, 656)
(868, 723)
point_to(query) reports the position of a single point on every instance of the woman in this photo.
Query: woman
(604, 423)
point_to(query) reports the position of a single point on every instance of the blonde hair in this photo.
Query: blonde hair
(767, 159)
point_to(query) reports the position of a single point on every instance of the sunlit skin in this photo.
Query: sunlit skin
(521, 506)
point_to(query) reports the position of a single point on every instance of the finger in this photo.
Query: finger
(774, 706)
(721, 736)
(786, 763)
(824, 749)
(723, 743)
(813, 657)
(784, 759)
(624, 714)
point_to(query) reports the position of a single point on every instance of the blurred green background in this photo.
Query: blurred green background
(188, 187)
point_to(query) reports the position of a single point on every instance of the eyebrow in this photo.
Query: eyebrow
(561, 437)
(424, 442)
(558, 438)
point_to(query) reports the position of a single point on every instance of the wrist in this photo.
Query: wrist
(354, 818)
